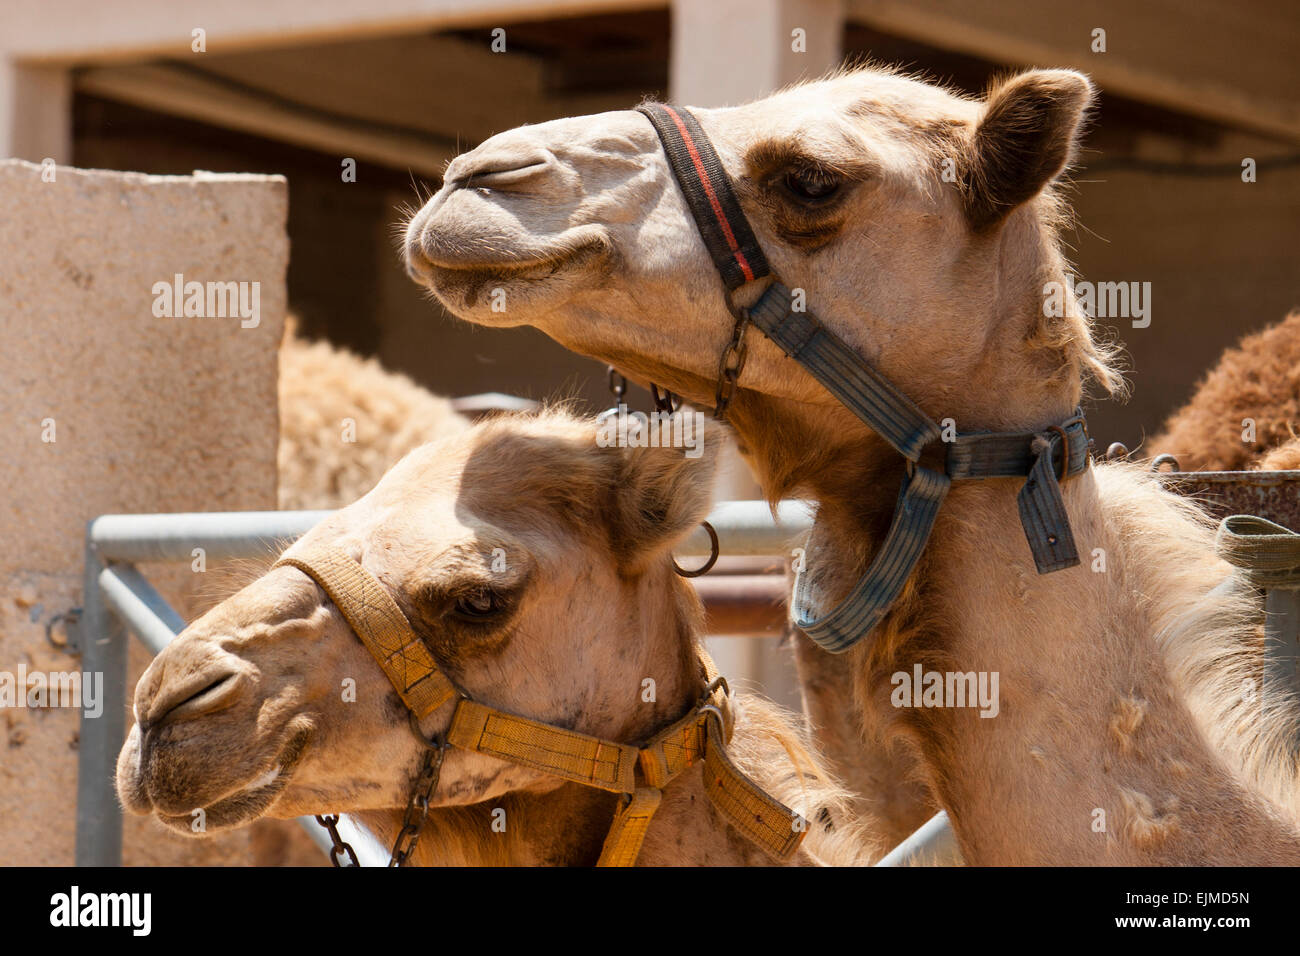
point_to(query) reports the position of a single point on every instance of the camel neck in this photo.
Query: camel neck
(1047, 718)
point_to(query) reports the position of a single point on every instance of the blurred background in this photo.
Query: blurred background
(1189, 89)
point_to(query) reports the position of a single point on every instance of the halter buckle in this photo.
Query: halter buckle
(1065, 451)
(713, 685)
(712, 710)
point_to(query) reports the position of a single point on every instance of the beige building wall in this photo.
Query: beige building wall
(105, 408)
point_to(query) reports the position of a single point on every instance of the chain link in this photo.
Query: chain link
(341, 846)
(617, 384)
(731, 363)
(417, 809)
(664, 400)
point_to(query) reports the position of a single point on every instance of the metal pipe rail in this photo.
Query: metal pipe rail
(933, 844)
(117, 597)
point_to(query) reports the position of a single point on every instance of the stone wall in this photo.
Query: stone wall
(107, 406)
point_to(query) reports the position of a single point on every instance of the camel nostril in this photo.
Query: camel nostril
(194, 699)
(493, 172)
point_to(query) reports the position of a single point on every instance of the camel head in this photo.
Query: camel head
(532, 562)
(921, 226)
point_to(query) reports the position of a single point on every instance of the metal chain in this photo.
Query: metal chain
(417, 808)
(732, 362)
(341, 846)
(664, 400)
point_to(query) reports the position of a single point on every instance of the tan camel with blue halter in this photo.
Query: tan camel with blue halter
(531, 569)
(921, 228)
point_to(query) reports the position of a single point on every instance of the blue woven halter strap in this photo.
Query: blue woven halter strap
(879, 404)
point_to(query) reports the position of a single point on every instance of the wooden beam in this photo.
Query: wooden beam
(1201, 57)
(90, 31)
(399, 101)
(168, 89)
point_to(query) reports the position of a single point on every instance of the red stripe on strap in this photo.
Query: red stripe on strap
(713, 199)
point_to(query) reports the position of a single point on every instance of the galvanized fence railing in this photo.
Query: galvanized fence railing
(119, 599)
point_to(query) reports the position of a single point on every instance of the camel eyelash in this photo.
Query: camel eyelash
(480, 606)
(473, 604)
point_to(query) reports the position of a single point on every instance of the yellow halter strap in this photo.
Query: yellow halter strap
(639, 773)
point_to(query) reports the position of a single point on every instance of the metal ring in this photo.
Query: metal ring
(739, 312)
(68, 617)
(714, 710)
(708, 565)
(742, 311)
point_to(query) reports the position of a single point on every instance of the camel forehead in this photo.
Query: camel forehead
(518, 453)
(864, 98)
(867, 119)
(500, 473)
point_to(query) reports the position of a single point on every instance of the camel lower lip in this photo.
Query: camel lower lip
(464, 284)
(230, 811)
(502, 272)
(510, 268)
(250, 801)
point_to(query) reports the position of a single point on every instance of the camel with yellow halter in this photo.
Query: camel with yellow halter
(486, 660)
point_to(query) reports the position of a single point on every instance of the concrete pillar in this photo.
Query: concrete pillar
(35, 112)
(727, 52)
(106, 406)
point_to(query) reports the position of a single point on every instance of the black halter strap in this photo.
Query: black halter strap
(708, 192)
(875, 400)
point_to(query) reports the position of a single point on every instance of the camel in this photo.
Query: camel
(922, 227)
(535, 566)
(345, 420)
(1258, 379)
(1285, 457)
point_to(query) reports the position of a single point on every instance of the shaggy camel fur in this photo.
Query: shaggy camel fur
(1284, 457)
(923, 228)
(1258, 379)
(536, 567)
(345, 420)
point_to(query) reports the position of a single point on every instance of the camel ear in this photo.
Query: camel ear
(662, 493)
(1024, 139)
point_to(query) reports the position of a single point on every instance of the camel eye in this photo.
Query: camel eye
(812, 185)
(478, 605)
